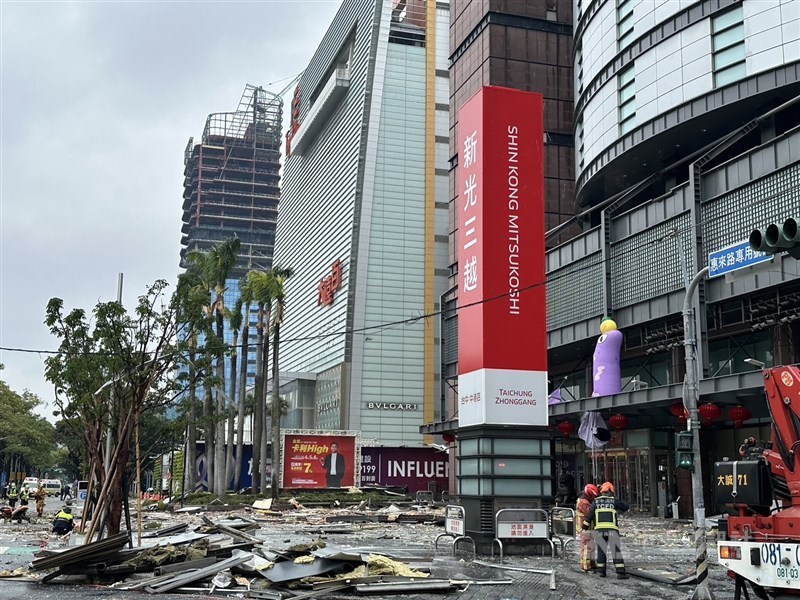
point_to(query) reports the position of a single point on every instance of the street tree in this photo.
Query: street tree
(215, 266)
(246, 299)
(258, 286)
(27, 440)
(192, 300)
(234, 317)
(110, 369)
(279, 277)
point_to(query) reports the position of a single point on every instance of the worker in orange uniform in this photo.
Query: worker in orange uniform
(40, 495)
(602, 517)
(589, 493)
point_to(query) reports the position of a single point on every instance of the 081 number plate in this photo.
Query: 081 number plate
(785, 559)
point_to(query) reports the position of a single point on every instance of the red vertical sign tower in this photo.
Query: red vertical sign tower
(502, 326)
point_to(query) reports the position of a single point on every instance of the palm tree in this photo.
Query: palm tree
(279, 277)
(246, 298)
(235, 321)
(259, 286)
(192, 299)
(221, 260)
(215, 266)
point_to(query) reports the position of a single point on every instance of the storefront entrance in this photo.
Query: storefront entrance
(629, 470)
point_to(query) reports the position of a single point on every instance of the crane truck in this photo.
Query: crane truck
(759, 539)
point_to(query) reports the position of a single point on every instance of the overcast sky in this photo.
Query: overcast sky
(97, 102)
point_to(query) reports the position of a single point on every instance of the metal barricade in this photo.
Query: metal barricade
(455, 527)
(424, 497)
(528, 524)
(562, 522)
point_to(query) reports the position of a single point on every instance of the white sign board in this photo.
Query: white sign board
(502, 397)
(454, 520)
(522, 530)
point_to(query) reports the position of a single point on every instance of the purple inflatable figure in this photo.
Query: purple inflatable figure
(607, 379)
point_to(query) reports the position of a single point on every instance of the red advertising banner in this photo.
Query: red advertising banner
(502, 326)
(318, 460)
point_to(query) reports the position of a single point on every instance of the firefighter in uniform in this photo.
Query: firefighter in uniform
(12, 495)
(585, 498)
(602, 517)
(63, 523)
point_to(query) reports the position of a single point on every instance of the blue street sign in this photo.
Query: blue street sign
(734, 257)
(82, 495)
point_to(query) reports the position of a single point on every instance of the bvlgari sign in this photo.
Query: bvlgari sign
(391, 406)
(329, 284)
(500, 219)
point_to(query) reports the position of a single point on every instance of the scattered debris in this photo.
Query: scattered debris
(20, 572)
(265, 504)
(270, 555)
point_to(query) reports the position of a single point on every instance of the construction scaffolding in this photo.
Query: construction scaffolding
(232, 181)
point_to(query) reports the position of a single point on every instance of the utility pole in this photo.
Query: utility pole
(107, 460)
(690, 395)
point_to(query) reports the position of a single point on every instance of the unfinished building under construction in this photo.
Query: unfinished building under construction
(232, 181)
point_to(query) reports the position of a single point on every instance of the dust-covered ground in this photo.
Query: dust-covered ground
(654, 544)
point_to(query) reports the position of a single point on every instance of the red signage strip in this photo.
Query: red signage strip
(502, 297)
(502, 326)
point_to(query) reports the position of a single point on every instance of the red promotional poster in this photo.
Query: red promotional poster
(318, 460)
(502, 325)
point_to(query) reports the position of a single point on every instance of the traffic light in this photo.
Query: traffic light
(684, 456)
(776, 239)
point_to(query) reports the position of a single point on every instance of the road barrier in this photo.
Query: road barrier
(529, 524)
(562, 520)
(455, 527)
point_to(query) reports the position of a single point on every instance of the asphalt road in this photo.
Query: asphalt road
(647, 542)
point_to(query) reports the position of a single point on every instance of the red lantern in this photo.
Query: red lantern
(739, 414)
(618, 422)
(679, 410)
(567, 428)
(449, 438)
(709, 412)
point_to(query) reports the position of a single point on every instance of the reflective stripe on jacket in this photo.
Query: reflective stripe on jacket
(603, 512)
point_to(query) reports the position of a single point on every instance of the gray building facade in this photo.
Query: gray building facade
(363, 218)
(687, 136)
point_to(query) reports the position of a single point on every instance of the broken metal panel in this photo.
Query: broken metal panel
(166, 531)
(288, 570)
(185, 566)
(425, 585)
(80, 554)
(181, 579)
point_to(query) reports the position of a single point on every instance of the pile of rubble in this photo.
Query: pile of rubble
(240, 555)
